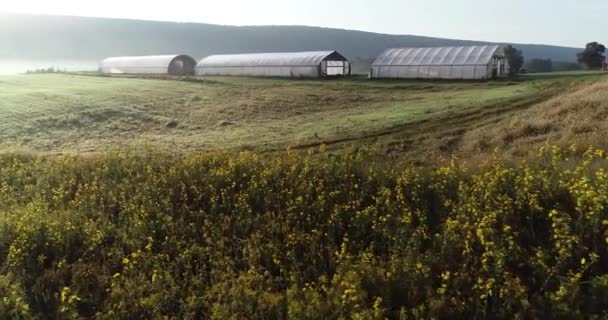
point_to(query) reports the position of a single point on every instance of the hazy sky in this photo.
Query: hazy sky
(559, 22)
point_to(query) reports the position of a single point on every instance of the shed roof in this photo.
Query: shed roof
(439, 56)
(277, 59)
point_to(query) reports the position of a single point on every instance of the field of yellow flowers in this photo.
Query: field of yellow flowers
(225, 236)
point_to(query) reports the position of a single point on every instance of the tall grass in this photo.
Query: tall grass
(224, 236)
(576, 116)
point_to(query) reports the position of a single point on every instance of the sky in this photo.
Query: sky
(556, 22)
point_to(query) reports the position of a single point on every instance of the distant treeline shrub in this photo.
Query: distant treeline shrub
(224, 236)
(566, 66)
(539, 65)
(45, 70)
(547, 65)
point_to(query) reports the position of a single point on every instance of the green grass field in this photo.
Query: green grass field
(58, 113)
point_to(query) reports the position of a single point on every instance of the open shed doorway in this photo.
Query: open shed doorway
(499, 67)
(336, 68)
(335, 65)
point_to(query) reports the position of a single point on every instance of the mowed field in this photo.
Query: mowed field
(58, 113)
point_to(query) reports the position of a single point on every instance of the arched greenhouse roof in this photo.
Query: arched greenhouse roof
(143, 64)
(439, 56)
(278, 59)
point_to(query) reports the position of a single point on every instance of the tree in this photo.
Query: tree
(515, 58)
(593, 55)
(539, 65)
(566, 66)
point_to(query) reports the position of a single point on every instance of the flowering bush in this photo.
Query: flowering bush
(224, 236)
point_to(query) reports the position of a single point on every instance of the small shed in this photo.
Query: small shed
(315, 64)
(163, 64)
(472, 62)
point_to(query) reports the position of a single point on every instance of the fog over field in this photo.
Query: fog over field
(36, 37)
(12, 66)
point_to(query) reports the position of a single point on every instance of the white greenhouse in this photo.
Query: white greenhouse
(472, 63)
(166, 64)
(316, 64)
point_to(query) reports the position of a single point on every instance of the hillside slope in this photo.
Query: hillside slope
(84, 113)
(410, 119)
(79, 38)
(576, 117)
(563, 110)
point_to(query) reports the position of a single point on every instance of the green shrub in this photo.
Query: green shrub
(225, 236)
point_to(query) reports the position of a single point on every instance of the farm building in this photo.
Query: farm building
(474, 62)
(316, 64)
(167, 64)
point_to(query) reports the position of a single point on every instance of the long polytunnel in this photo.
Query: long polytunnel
(283, 64)
(473, 62)
(162, 64)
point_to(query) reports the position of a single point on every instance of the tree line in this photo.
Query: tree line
(591, 58)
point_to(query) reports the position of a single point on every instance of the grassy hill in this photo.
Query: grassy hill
(46, 38)
(56, 113)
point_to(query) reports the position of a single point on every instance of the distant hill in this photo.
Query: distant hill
(81, 38)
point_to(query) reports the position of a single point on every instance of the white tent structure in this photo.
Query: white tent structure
(474, 63)
(165, 64)
(317, 64)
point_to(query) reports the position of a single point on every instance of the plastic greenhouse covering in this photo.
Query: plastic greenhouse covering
(163, 64)
(286, 64)
(473, 62)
